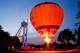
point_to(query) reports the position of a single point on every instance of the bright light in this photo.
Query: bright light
(47, 37)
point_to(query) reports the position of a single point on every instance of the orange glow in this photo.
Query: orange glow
(47, 39)
(46, 18)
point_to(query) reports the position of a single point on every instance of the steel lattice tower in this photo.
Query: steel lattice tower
(24, 26)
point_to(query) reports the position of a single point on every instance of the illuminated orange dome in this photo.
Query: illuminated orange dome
(46, 18)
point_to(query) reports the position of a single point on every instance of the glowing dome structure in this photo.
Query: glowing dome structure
(46, 18)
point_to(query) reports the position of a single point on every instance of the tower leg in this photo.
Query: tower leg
(24, 36)
(24, 25)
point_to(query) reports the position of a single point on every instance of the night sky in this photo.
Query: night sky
(13, 12)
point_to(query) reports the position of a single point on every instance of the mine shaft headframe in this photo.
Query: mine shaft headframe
(24, 23)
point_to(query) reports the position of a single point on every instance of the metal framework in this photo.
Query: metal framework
(24, 26)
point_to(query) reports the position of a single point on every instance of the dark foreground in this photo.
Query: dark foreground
(41, 51)
(64, 51)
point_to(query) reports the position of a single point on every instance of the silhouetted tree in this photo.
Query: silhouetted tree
(4, 39)
(66, 36)
(14, 41)
(0, 27)
(77, 31)
(17, 42)
(53, 45)
(78, 15)
(7, 41)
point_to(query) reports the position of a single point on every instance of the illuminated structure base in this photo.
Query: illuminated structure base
(47, 46)
(24, 26)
